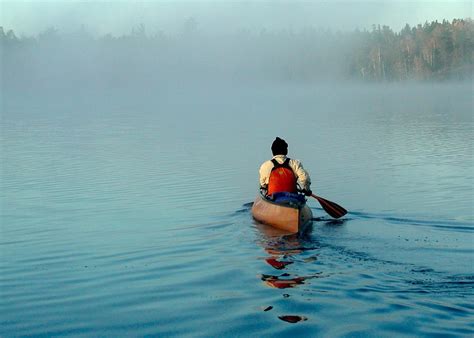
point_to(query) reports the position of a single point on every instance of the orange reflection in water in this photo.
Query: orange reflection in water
(282, 247)
(282, 283)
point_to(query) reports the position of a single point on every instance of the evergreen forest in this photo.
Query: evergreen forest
(432, 51)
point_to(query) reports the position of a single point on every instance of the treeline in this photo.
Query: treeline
(433, 51)
(430, 51)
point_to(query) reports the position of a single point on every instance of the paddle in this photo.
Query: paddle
(333, 209)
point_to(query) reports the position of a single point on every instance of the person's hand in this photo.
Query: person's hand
(307, 192)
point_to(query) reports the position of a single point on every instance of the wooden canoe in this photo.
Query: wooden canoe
(291, 218)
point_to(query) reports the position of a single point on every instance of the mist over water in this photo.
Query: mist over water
(55, 63)
(128, 167)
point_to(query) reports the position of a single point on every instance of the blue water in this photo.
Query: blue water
(129, 215)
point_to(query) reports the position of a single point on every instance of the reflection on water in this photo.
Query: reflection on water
(282, 248)
(292, 319)
(129, 222)
(277, 264)
(319, 272)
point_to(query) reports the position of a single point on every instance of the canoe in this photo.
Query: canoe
(294, 217)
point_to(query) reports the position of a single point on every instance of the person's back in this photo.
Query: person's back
(282, 174)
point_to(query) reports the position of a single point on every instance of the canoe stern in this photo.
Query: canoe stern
(287, 218)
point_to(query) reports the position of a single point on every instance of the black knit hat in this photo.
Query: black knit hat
(279, 147)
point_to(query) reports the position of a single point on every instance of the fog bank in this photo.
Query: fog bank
(214, 17)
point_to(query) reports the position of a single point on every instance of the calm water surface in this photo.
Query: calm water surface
(131, 215)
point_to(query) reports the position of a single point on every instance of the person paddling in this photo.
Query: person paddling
(282, 174)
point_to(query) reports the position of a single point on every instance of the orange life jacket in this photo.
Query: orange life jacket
(282, 178)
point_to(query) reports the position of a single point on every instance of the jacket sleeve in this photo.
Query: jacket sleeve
(264, 174)
(301, 174)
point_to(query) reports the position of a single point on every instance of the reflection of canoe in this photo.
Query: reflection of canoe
(289, 217)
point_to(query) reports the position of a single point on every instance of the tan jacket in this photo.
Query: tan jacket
(304, 181)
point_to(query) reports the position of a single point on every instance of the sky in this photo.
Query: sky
(119, 17)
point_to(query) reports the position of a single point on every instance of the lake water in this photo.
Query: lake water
(129, 215)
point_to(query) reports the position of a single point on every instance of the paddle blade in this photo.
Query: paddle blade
(333, 209)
